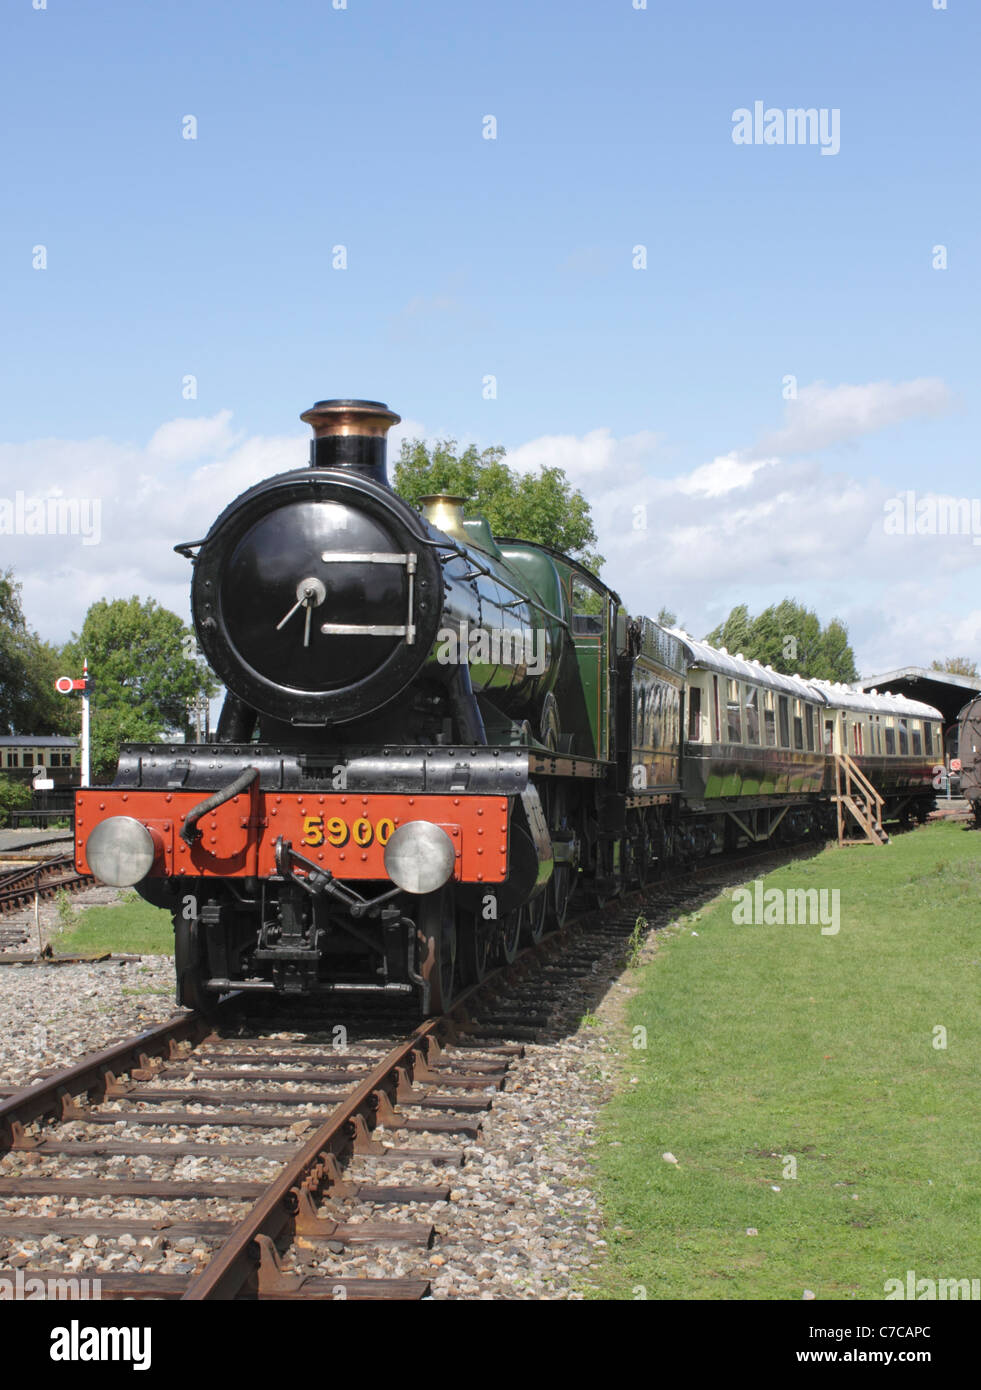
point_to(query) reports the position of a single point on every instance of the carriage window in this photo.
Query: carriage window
(928, 738)
(917, 740)
(829, 735)
(890, 741)
(734, 718)
(718, 717)
(769, 720)
(752, 714)
(694, 713)
(809, 726)
(903, 737)
(13, 760)
(28, 759)
(798, 725)
(784, 721)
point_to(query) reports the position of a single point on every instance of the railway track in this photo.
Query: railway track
(19, 887)
(271, 1150)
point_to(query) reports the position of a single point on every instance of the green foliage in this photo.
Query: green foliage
(736, 633)
(957, 666)
(789, 637)
(146, 674)
(67, 912)
(29, 667)
(635, 944)
(542, 507)
(667, 618)
(14, 796)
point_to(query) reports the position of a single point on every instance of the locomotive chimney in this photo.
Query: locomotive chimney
(351, 435)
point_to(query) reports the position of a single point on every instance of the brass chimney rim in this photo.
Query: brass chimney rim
(369, 419)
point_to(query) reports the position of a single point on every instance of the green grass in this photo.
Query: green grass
(766, 1043)
(130, 927)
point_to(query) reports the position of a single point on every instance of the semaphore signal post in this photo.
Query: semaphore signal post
(69, 685)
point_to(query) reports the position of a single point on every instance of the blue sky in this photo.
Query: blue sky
(512, 257)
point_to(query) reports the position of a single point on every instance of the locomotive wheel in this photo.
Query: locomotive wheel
(436, 929)
(562, 884)
(474, 948)
(191, 967)
(534, 918)
(510, 939)
(605, 886)
(636, 856)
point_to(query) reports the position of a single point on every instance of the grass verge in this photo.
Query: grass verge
(131, 926)
(824, 1125)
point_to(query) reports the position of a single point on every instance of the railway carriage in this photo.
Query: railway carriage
(24, 757)
(432, 737)
(894, 741)
(751, 730)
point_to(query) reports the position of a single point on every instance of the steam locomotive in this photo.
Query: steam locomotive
(969, 753)
(433, 737)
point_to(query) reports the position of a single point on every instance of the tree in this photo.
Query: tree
(735, 633)
(14, 796)
(836, 655)
(789, 637)
(957, 666)
(29, 667)
(543, 507)
(146, 675)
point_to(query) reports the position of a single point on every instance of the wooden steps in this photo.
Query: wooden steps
(858, 804)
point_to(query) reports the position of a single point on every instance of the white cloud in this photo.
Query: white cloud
(823, 415)
(588, 458)
(722, 475)
(183, 441)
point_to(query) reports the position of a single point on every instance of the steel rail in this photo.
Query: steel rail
(94, 1074)
(235, 1266)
